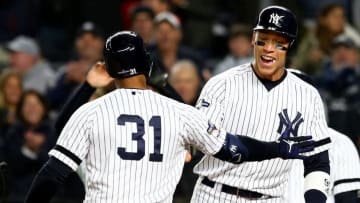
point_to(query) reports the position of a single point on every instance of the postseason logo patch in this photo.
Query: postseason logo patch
(212, 130)
(202, 103)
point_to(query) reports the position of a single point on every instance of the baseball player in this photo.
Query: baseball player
(133, 140)
(258, 99)
(345, 168)
(344, 178)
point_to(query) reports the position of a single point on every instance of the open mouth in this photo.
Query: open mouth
(267, 59)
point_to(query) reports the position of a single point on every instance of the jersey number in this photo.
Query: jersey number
(137, 136)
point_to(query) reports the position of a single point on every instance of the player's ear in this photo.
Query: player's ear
(253, 38)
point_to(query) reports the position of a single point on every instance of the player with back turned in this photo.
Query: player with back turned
(258, 100)
(133, 140)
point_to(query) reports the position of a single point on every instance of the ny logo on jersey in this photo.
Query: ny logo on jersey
(275, 19)
(285, 121)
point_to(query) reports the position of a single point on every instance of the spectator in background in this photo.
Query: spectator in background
(340, 87)
(27, 143)
(25, 58)
(158, 6)
(142, 22)
(198, 19)
(240, 48)
(10, 93)
(4, 58)
(89, 45)
(316, 44)
(168, 49)
(186, 80)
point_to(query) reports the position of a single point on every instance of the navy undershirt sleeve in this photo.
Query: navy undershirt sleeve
(47, 181)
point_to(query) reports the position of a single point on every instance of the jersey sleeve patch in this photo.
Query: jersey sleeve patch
(202, 103)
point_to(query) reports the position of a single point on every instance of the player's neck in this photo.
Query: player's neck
(134, 82)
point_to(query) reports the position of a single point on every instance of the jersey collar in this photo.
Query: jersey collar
(268, 84)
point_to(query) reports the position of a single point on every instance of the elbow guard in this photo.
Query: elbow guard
(233, 150)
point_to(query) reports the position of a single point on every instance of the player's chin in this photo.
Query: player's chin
(266, 71)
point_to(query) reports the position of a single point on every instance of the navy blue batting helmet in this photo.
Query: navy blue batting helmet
(277, 19)
(126, 56)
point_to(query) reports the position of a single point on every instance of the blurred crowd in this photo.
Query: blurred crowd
(47, 47)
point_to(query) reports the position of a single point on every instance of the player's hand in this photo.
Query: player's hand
(76, 71)
(98, 77)
(292, 147)
(188, 156)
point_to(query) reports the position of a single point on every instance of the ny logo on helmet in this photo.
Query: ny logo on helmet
(285, 121)
(276, 19)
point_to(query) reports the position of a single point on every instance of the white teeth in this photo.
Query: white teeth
(267, 58)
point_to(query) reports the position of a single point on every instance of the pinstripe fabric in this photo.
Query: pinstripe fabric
(344, 165)
(240, 103)
(94, 134)
(204, 194)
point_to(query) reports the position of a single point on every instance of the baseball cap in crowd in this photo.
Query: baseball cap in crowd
(23, 44)
(90, 27)
(344, 40)
(168, 17)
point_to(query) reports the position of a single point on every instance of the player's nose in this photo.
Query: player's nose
(269, 46)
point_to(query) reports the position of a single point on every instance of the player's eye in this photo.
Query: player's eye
(281, 47)
(278, 46)
(259, 43)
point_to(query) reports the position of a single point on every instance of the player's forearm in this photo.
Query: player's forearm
(46, 182)
(238, 149)
(317, 175)
(259, 150)
(78, 98)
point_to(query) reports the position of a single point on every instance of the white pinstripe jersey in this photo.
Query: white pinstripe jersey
(133, 144)
(237, 101)
(344, 174)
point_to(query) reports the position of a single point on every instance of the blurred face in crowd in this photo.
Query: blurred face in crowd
(240, 46)
(167, 37)
(144, 26)
(33, 109)
(12, 89)
(269, 54)
(186, 82)
(344, 56)
(89, 46)
(157, 6)
(22, 61)
(334, 20)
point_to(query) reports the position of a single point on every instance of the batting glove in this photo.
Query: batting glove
(292, 147)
